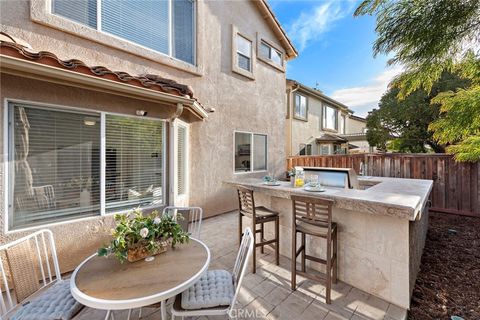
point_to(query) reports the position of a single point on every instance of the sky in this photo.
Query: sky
(335, 51)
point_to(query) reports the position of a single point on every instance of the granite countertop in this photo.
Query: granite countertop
(402, 198)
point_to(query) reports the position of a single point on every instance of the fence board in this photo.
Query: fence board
(456, 187)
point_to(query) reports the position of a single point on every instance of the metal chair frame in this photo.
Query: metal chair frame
(244, 252)
(195, 216)
(43, 262)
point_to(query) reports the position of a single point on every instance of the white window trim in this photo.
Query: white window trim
(235, 68)
(251, 152)
(176, 198)
(102, 114)
(273, 47)
(40, 12)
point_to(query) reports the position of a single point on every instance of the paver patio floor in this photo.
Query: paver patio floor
(267, 294)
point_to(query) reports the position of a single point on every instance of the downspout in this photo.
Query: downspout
(172, 147)
(290, 117)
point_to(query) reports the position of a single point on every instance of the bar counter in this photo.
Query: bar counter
(381, 230)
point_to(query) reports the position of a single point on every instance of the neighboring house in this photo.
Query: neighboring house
(318, 124)
(190, 93)
(356, 134)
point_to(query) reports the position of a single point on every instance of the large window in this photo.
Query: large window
(250, 152)
(134, 162)
(301, 108)
(330, 120)
(166, 26)
(55, 164)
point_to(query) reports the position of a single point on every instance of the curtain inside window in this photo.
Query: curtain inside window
(144, 22)
(134, 163)
(54, 165)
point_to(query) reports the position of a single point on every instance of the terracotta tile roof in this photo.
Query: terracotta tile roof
(327, 137)
(16, 48)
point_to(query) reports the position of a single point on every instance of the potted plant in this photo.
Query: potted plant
(137, 236)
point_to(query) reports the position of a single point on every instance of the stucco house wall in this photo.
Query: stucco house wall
(355, 126)
(300, 131)
(240, 103)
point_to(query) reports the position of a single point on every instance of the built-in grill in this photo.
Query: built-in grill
(334, 177)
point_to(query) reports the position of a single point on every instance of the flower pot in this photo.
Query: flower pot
(141, 252)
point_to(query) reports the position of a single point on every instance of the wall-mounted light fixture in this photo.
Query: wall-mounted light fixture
(89, 121)
(141, 113)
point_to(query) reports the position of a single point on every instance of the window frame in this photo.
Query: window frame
(272, 47)
(252, 134)
(41, 12)
(182, 197)
(324, 118)
(7, 165)
(235, 68)
(299, 117)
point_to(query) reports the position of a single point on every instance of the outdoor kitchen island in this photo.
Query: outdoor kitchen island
(382, 227)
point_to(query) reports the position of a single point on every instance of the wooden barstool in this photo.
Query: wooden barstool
(259, 215)
(313, 217)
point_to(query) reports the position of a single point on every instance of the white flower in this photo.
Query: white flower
(143, 232)
(156, 220)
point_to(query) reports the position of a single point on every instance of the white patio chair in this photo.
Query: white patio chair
(31, 284)
(192, 215)
(223, 287)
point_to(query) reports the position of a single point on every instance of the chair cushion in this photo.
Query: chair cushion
(313, 229)
(55, 303)
(214, 289)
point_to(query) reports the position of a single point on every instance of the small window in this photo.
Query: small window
(182, 150)
(330, 120)
(305, 149)
(324, 149)
(244, 53)
(301, 110)
(270, 53)
(250, 152)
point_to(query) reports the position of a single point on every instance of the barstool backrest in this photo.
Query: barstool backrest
(315, 211)
(246, 203)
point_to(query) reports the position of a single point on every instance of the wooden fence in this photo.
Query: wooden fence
(456, 187)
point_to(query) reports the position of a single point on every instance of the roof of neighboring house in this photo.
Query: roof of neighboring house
(358, 118)
(273, 22)
(318, 94)
(16, 48)
(327, 137)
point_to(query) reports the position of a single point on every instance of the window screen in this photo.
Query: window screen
(81, 11)
(244, 53)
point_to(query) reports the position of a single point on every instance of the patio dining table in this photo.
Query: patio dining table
(105, 283)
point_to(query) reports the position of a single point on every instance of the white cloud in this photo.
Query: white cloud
(364, 98)
(309, 26)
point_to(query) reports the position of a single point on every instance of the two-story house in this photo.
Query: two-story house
(315, 122)
(109, 106)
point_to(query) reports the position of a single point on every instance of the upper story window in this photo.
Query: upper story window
(330, 118)
(242, 54)
(270, 53)
(301, 108)
(343, 124)
(166, 26)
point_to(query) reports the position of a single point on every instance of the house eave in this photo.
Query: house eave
(24, 68)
